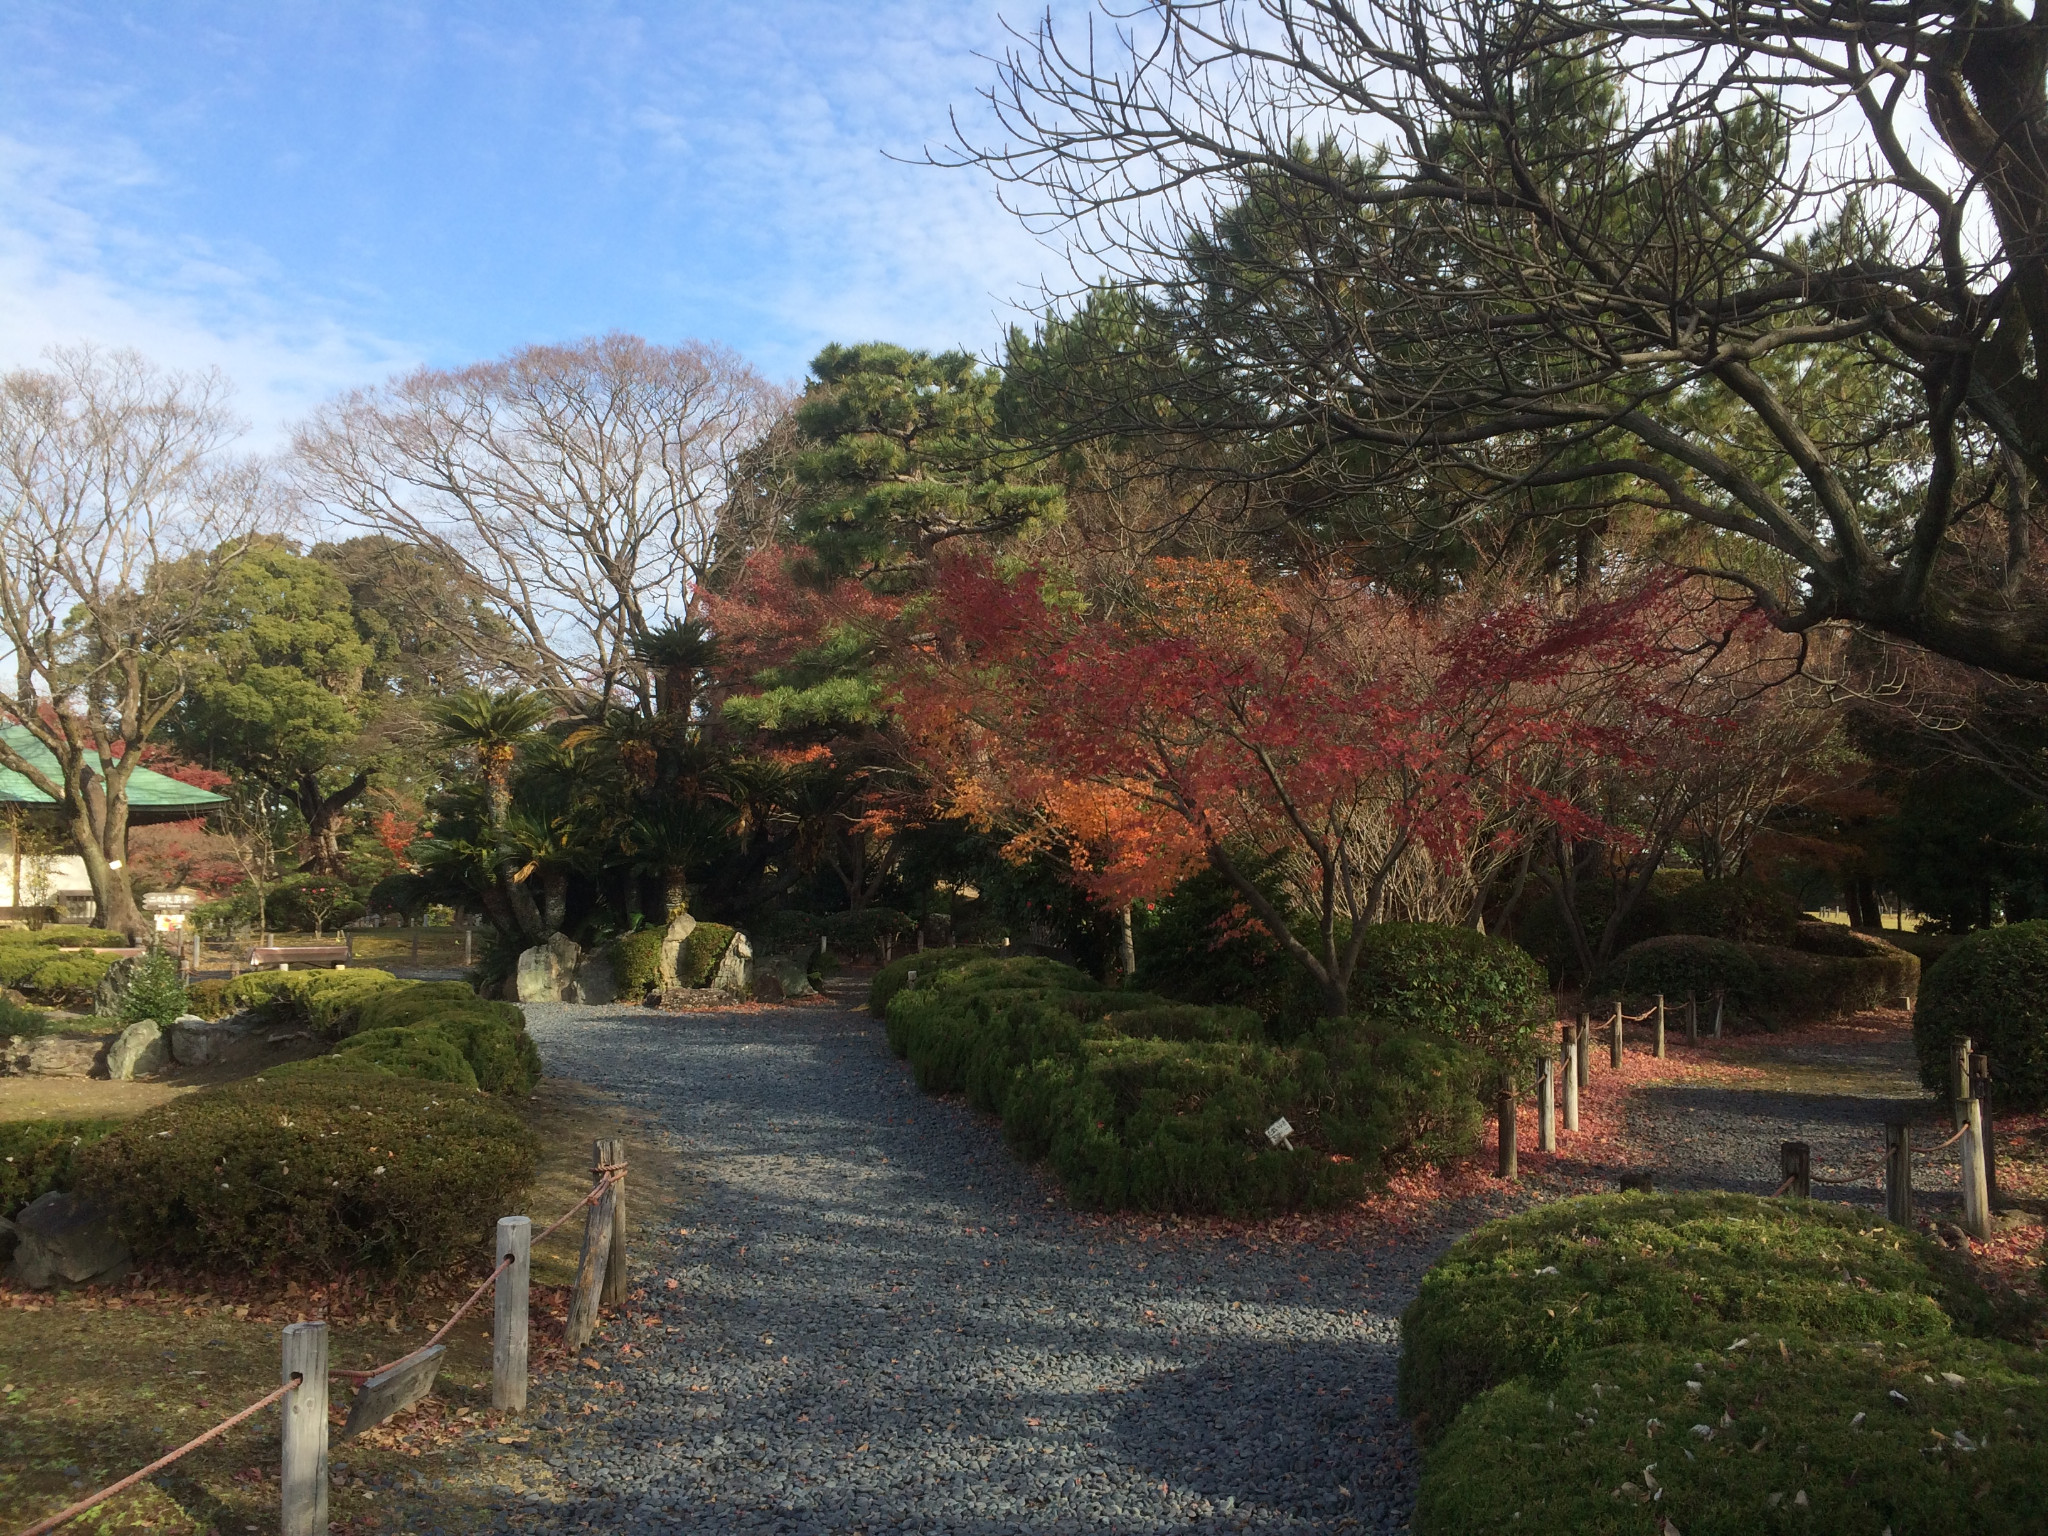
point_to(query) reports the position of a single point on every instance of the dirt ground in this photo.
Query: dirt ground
(94, 1383)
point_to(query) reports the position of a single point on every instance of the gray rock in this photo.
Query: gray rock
(735, 972)
(547, 971)
(680, 927)
(782, 976)
(137, 1051)
(9, 1235)
(112, 990)
(197, 1042)
(63, 1239)
(596, 981)
(54, 1055)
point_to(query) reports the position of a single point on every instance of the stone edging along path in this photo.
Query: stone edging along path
(876, 1320)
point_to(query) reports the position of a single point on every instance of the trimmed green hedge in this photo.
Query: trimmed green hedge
(1765, 981)
(636, 960)
(334, 1171)
(1934, 1436)
(65, 935)
(424, 1053)
(327, 1002)
(1142, 1104)
(1993, 987)
(894, 976)
(1529, 1295)
(1482, 992)
(697, 961)
(1742, 908)
(37, 1156)
(208, 999)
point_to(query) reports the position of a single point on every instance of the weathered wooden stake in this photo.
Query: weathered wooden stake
(508, 1322)
(1959, 1078)
(590, 1268)
(1898, 1172)
(1584, 1037)
(468, 938)
(1692, 1019)
(1614, 1039)
(1660, 1026)
(1504, 1114)
(1976, 1197)
(1720, 1003)
(616, 1274)
(1980, 1090)
(302, 1471)
(1795, 1162)
(1546, 1104)
(1571, 1077)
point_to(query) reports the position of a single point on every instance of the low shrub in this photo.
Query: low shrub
(1993, 987)
(37, 1156)
(697, 961)
(427, 1054)
(207, 999)
(328, 1171)
(489, 1037)
(1742, 908)
(1199, 944)
(636, 961)
(1799, 986)
(401, 1007)
(893, 977)
(18, 962)
(1929, 1434)
(258, 989)
(1678, 965)
(499, 1051)
(65, 936)
(327, 1002)
(1928, 947)
(1528, 1296)
(1482, 992)
(17, 1020)
(154, 991)
(68, 977)
(1141, 1104)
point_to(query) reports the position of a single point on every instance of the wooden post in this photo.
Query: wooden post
(508, 1323)
(1795, 1162)
(1959, 1078)
(590, 1268)
(1692, 1019)
(1614, 1038)
(1660, 1026)
(1504, 1115)
(1980, 1090)
(1546, 1104)
(1584, 1065)
(1976, 1197)
(616, 1275)
(1720, 1002)
(302, 1472)
(1898, 1172)
(1571, 1077)
(468, 935)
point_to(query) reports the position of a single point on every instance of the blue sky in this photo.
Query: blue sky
(310, 196)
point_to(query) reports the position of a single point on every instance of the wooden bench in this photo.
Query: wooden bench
(285, 956)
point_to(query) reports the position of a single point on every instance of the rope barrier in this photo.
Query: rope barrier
(1785, 1186)
(610, 1177)
(75, 1510)
(1949, 1143)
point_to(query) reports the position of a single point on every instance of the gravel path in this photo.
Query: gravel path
(1834, 1094)
(879, 1321)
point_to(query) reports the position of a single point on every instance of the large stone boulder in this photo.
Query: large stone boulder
(680, 927)
(777, 977)
(112, 991)
(137, 1051)
(735, 972)
(596, 981)
(197, 1042)
(547, 971)
(63, 1239)
(54, 1055)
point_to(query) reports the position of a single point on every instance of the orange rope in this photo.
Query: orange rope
(75, 1510)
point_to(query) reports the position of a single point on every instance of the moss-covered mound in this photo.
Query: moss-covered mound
(1992, 987)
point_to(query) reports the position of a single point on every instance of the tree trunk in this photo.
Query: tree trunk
(321, 854)
(1127, 947)
(554, 886)
(675, 893)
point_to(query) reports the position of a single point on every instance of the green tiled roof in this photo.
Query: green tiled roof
(151, 796)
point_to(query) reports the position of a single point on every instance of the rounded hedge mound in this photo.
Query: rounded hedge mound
(697, 961)
(1528, 1295)
(1940, 1436)
(893, 977)
(1743, 909)
(636, 961)
(423, 1053)
(333, 1171)
(36, 1156)
(1992, 987)
(1485, 993)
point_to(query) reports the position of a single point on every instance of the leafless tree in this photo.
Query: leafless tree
(109, 471)
(1771, 280)
(578, 485)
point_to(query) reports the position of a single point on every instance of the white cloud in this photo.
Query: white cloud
(69, 273)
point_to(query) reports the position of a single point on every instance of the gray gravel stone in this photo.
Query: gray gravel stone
(880, 1321)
